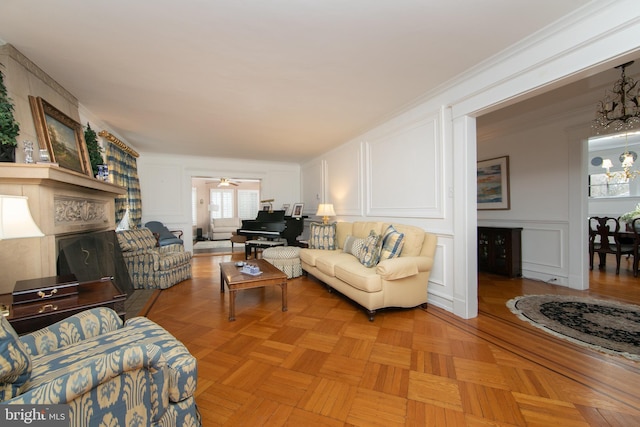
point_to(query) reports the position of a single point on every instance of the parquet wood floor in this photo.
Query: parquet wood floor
(322, 363)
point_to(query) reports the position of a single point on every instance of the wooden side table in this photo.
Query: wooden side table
(29, 317)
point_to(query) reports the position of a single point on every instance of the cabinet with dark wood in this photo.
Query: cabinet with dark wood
(500, 250)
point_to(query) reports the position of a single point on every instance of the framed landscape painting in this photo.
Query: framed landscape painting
(493, 184)
(61, 136)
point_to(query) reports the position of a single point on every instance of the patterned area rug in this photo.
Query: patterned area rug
(607, 326)
(216, 246)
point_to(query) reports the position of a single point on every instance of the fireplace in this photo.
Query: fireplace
(64, 204)
(94, 256)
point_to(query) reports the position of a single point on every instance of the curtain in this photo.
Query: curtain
(123, 169)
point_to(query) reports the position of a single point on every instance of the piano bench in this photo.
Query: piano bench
(285, 258)
(254, 245)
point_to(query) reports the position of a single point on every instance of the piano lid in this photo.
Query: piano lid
(273, 216)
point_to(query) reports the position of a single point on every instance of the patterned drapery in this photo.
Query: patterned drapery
(124, 172)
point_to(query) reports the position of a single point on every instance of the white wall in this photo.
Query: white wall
(394, 173)
(165, 184)
(419, 167)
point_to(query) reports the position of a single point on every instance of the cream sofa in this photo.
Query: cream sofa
(222, 228)
(395, 282)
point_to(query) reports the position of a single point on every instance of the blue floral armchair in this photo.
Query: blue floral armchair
(150, 266)
(108, 373)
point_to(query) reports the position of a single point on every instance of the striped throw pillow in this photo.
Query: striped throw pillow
(392, 243)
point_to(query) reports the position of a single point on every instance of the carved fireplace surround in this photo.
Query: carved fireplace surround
(62, 203)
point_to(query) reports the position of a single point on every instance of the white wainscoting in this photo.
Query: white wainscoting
(440, 287)
(545, 249)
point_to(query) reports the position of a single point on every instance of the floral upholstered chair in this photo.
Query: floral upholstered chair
(150, 266)
(109, 374)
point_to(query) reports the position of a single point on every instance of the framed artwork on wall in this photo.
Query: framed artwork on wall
(493, 184)
(62, 136)
(297, 210)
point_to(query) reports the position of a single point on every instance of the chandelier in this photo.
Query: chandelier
(620, 110)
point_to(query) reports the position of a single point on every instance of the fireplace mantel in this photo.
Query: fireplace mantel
(62, 203)
(48, 174)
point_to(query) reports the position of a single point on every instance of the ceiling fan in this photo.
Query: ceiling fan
(225, 182)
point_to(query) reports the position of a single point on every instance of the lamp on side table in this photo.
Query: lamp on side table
(16, 222)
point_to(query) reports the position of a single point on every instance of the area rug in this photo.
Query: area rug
(208, 246)
(607, 326)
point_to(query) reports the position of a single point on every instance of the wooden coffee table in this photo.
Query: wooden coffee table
(236, 280)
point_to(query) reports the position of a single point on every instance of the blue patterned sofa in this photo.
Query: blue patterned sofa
(108, 373)
(150, 266)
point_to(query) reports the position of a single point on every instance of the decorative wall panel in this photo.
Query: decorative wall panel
(173, 204)
(410, 158)
(312, 186)
(344, 179)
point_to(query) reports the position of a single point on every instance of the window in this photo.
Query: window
(221, 203)
(194, 206)
(248, 204)
(601, 186)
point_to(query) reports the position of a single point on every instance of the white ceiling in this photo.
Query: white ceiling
(264, 79)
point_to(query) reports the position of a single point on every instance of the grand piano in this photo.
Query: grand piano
(272, 225)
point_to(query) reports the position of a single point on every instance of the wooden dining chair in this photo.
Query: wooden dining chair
(604, 238)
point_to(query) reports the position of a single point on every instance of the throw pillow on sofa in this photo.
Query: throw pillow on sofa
(370, 254)
(323, 236)
(392, 243)
(353, 245)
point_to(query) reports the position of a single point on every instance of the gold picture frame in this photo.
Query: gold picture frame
(62, 136)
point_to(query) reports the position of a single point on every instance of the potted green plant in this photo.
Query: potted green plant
(9, 128)
(94, 149)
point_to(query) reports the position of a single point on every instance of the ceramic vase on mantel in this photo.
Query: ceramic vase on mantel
(7, 153)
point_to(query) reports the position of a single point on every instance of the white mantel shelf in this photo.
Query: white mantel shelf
(51, 175)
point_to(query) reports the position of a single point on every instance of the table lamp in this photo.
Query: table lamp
(15, 219)
(16, 223)
(325, 210)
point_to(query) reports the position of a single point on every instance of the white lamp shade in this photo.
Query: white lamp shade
(325, 209)
(15, 219)
(607, 163)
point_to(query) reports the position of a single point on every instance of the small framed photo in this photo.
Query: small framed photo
(297, 210)
(286, 207)
(493, 184)
(61, 136)
(266, 207)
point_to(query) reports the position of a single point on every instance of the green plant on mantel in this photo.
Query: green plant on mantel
(9, 128)
(94, 149)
